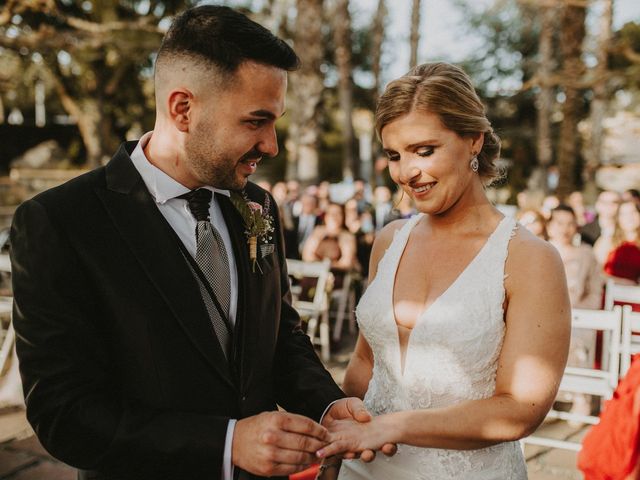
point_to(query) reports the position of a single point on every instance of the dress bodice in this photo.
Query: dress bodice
(452, 355)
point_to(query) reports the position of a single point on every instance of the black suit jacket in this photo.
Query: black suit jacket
(122, 372)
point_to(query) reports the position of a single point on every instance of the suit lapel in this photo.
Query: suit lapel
(154, 243)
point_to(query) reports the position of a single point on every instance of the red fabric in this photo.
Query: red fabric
(610, 449)
(624, 262)
(308, 474)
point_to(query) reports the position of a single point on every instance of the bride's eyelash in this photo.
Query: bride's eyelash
(425, 151)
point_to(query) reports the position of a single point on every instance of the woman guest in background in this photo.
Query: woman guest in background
(465, 324)
(333, 241)
(623, 261)
(585, 283)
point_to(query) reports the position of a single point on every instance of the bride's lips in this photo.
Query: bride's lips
(421, 190)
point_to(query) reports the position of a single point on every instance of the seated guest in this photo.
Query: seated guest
(605, 222)
(585, 284)
(631, 195)
(307, 221)
(583, 215)
(403, 207)
(549, 203)
(362, 226)
(583, 274)
(533, 221)
(333, 241)
(382, 206)
(623, 261)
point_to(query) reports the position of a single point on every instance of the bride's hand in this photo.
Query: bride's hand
(351, 436)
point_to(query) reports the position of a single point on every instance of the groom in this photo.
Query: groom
(154, 343)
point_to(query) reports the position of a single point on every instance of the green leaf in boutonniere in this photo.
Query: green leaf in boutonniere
(258, 222)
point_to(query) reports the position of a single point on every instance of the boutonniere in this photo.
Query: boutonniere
(258, 224)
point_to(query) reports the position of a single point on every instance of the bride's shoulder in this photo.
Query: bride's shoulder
(381, 244)
(385, 236)
(529, 254)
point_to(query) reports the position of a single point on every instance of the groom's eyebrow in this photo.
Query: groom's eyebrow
(266, 114)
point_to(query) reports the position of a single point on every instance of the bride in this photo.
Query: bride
(465, 325)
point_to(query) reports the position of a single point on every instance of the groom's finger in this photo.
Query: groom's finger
(302, 425)
(292, 441)
(282, 456)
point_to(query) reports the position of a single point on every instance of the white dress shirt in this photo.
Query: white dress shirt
(164, 191)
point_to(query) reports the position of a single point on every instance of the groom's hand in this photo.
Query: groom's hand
(277, 443)
(352, 408)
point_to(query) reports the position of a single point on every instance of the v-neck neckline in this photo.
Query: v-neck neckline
(428, 308)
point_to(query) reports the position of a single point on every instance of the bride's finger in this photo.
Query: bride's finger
(389, 449)
(335, 448)
(368, 456)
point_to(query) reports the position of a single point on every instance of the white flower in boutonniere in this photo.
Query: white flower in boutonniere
(258, 223)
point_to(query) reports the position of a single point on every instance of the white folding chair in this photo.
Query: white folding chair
(315, 311)
(630, 343)
(590, 381)
(5, 263)
(615, 292)
(7, 336)
(345, 299)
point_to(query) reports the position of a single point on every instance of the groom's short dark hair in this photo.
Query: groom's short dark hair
(225, 38)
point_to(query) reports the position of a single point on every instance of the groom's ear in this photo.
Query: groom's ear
(180, 108)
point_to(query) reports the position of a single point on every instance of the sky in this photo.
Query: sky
(444, 35)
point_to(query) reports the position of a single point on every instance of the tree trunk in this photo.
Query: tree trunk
(544, 101)
(274, 14)
(600, 96)
(377, 39)
(572, 34)
(414, 39)
(306, 92)
(342, 39)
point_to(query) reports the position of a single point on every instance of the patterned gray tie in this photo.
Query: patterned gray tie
(212, 259)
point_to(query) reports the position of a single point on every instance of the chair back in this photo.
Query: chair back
(600, 382)
(630, 338)
(320, 271)
(316, 310)
(615, 292)
(608, 322)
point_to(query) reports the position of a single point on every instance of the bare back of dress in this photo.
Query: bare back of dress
(451, 356)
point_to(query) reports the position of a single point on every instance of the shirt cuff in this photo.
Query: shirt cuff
(227, 464)
(327, 409)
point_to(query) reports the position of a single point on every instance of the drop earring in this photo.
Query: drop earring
(474, 164)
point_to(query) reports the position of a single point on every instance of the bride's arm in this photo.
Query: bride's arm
(358, 374)
(530, 367)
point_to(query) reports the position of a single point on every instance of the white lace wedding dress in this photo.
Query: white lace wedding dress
(451, 356)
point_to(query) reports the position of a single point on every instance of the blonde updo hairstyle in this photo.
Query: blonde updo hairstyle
(446, 91)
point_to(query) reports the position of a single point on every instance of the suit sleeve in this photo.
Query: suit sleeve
(73, 402)
(303, 385)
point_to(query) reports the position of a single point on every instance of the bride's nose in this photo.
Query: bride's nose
(409, 173)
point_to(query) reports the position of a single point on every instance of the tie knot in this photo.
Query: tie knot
(198, 201)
